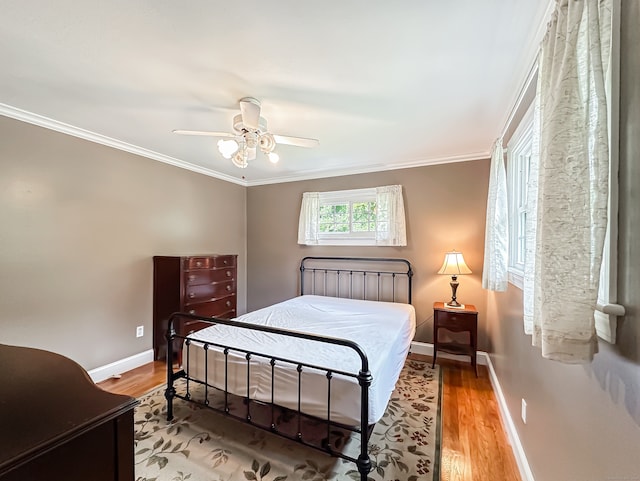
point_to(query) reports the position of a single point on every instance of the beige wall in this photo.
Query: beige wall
(79, 224)
(445, 209)
(584, 421)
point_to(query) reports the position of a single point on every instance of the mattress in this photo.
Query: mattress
(384, 330)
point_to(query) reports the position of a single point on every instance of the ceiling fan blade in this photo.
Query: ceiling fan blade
(205, 133)
(297, 141)
(250, 109)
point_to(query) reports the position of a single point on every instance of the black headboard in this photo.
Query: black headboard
(368, 278)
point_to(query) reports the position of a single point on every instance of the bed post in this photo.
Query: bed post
(364, 462)
(302, 276)
(170, 392)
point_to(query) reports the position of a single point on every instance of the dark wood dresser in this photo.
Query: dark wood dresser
(57, 425)
(204, 285)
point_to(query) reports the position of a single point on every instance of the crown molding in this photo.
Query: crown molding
(322, 174)
(47, 123)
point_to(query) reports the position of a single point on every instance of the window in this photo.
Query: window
(519, 151)
(347, 215)
(373, 216)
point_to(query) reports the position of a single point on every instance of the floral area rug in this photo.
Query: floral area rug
(203, 445)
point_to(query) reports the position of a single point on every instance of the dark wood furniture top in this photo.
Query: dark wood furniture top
(56, 424)
(203, 285)
(456, 320)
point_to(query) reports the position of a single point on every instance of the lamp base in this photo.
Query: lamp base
(454, 306)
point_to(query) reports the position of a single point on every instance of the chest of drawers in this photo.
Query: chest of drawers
(203, 285)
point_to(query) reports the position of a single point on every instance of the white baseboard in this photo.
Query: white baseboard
(505, 416)
(123, 365)
(507, 422)
(426, 349)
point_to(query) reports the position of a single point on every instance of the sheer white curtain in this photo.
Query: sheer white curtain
(562, 276)
(496, 236)
(308, 224)
(391, 227)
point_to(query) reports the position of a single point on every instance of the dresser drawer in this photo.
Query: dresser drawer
(456, 321)
(204, 276)
(209, 262)
(208, 292)
(203, 262)
(224, 261)
(214, 308)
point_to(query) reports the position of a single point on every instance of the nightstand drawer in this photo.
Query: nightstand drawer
(455, 321)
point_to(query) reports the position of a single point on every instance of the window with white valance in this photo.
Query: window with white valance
(373, 216)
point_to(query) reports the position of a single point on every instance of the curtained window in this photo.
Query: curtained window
(373, 216)
(568, 190)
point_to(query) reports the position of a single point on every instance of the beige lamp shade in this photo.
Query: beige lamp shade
(454, 264)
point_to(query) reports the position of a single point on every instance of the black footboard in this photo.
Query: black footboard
(363, 377)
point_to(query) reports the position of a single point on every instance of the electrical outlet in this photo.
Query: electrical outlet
(139, 331)
(524, 411)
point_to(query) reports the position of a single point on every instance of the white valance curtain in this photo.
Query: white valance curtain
(390, 217)
(391, 228)
(308, 229)
(568, 189)
(496, 237)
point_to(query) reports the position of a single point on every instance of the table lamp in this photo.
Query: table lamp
(454, 265)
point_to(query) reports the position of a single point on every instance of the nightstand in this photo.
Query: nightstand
(456, 320)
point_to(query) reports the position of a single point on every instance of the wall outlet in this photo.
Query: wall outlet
(524, 411)
(139, 331)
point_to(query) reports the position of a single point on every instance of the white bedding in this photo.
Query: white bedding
(383, 329)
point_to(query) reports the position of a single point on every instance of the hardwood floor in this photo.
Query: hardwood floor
(474, 444)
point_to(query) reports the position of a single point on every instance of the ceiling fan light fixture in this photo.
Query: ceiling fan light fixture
(273, 157)
(240, 159)
(228, 147)
(251, 138)
(250, 133)
(267, 143)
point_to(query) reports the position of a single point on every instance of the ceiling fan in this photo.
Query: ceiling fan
(250, 133)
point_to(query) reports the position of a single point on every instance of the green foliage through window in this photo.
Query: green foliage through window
(346, 217)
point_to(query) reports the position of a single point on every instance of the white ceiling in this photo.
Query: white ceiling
(381, 84)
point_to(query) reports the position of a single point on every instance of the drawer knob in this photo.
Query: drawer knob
(228, 288)
(228, 303)
(199, 263)
(192, 311)
(228, 273)
(192, 295)
(225, 262)
(192, 278)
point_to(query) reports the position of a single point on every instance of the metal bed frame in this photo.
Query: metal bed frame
(330, 275)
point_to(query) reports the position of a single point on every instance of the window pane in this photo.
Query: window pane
(518, 166)
(363, 216)
(360, 226)
(334, 218)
